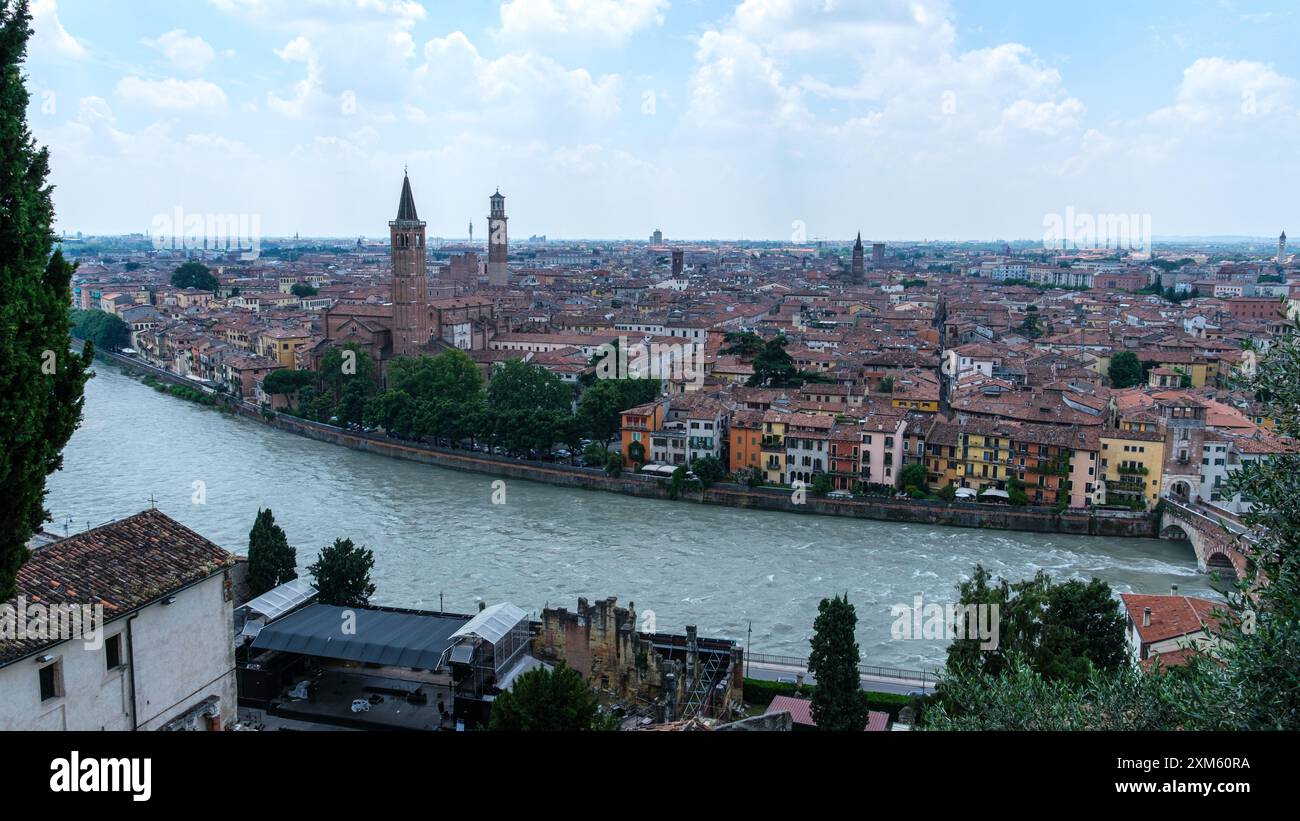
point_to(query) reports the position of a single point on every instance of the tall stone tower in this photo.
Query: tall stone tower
(1281, 248)
(859, 260)
(498, 243)
(410, 283)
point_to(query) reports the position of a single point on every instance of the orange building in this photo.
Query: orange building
(745, 441)
(639, 423)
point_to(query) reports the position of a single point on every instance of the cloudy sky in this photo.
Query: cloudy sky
(904, 119)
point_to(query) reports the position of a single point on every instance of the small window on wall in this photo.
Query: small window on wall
(113, 653)
(51, 678)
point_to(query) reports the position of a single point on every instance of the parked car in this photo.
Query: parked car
(839, 494)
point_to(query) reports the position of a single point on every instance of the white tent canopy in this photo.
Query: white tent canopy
(273, 604)
(492, 623)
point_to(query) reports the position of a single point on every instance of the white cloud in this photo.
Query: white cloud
(186, 52)
(602, 23)
(296, 12)
(1046, 117)
(297, 50)
(49, 38)
(514, 90)
(1215, 90)
(171, 94)
(737, 84)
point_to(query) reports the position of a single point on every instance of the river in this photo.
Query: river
(437, 536)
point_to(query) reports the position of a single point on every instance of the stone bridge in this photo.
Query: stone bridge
(1217, 541)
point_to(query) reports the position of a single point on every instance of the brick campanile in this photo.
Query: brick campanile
(498, 243)
(410, 283)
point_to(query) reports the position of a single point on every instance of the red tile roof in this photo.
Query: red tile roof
(122, 565)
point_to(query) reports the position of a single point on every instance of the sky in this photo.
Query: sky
(789, 120)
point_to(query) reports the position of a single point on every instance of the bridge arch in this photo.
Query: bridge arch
(1174, 533)
(1217, 550)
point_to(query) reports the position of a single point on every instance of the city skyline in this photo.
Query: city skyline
(603, 120)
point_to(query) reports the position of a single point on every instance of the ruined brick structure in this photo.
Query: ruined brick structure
(683, 676)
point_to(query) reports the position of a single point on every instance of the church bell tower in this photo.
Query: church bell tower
(410, 283)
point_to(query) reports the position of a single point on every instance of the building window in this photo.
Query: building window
(113, 652)
(51, 676)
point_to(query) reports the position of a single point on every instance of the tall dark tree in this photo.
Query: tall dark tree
(744, 344)
(194, 275)
(547, 700)
(41, 383)
(837, 702)
(773, 366)
(341, 573)
(1125, 370)
(271, 560)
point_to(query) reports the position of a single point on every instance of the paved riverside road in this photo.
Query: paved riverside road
(768, 671)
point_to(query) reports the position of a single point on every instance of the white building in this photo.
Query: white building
(165, 661)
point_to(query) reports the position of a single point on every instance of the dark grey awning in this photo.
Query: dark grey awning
(381, 636)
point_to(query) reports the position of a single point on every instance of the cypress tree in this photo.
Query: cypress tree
(41, 382)
(837, 701)
(271, 561)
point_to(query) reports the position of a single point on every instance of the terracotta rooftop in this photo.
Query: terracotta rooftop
(123, 565)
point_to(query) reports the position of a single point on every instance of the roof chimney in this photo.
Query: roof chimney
(1146, 617)
(1173, 590)
(482, 605)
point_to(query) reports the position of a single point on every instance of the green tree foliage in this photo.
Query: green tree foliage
(450, 376)
(600, 411)
(614, 464)
(346, 381)
(283, 381)
(1032, 326)
(822, 484)
(547, 700)
(302, 290)
(913, 476)
(1125, 370)
(1060, 630)
(636, 453)
(1016, 494)
(1260, 677)
(746, 344)
(775, 368)
(342, 574)
(836, 702)
(271, 560)
(595, 455)
(194, 275)
(107, 331)
(709, 470)
(518, 385)
(1019, 698)
(41, 383)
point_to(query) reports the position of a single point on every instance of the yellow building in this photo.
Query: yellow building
(281, 344)
(773, 445)
(1132, 466)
